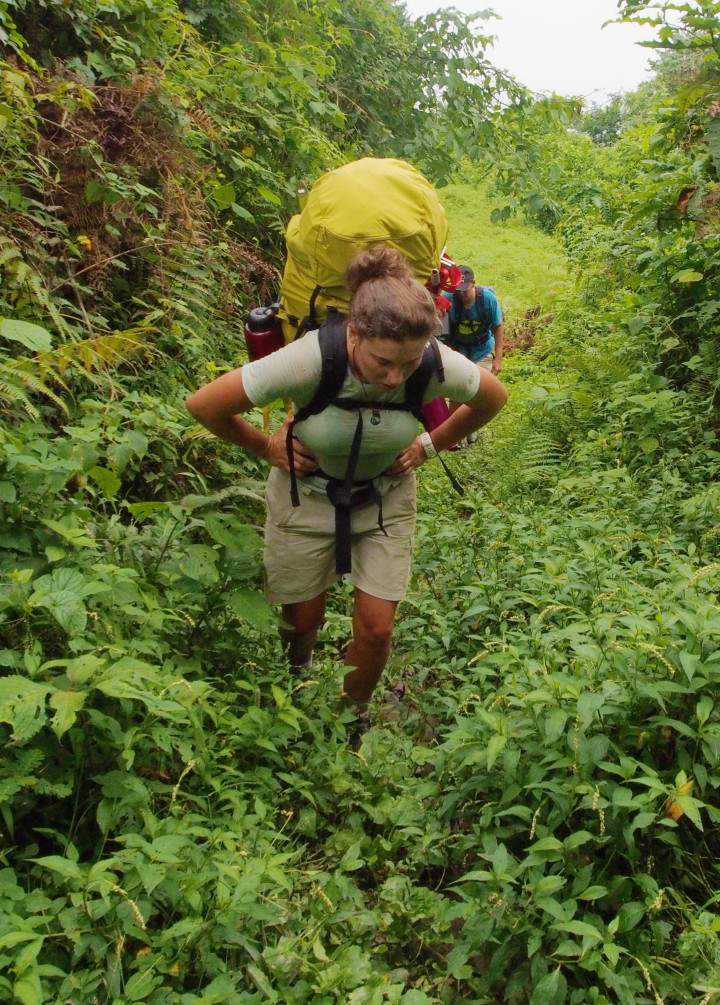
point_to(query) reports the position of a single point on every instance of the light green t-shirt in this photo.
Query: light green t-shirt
(294, 372)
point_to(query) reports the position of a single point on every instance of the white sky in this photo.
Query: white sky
(560, 45)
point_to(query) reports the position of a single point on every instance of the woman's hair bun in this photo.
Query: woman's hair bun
(388, 301)
(380, 262)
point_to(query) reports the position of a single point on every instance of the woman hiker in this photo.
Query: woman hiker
(391, 319)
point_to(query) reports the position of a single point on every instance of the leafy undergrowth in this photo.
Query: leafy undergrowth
(186, 823)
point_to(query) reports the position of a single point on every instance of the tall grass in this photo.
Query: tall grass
(524, 266)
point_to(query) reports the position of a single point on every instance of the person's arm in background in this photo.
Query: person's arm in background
(499, 335)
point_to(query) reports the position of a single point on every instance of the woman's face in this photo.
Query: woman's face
(382, 362)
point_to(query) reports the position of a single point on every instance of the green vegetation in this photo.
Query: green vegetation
(184, 824)
(525, 266)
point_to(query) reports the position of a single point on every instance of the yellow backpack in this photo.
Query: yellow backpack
(368, 202)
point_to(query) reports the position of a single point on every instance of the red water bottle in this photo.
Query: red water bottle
(263, 331)
(435, 412)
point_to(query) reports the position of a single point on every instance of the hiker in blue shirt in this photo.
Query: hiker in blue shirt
(475, 323)
(475, 328)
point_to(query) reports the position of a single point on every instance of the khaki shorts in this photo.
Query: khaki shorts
(485, 362)
(300, 543)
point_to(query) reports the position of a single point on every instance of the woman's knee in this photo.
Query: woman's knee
(374, 632)
(373, 619)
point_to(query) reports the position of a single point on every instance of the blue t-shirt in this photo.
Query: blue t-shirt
(464, 336)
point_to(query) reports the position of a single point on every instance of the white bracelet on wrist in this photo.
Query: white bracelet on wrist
(428, 445)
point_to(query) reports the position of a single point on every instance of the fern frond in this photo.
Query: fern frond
(15, 397)
(92, 355)
(540, 456)
(38, 386)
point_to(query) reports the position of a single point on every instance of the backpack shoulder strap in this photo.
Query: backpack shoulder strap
(457, 307)
(333, 350)
(480, 301)
(417, 382)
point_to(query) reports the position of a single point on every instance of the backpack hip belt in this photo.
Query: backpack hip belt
(345, 499)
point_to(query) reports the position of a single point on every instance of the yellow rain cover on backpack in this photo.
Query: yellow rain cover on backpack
(368, 202)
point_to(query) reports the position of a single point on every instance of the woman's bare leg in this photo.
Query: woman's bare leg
(305, 619)
(367, 654)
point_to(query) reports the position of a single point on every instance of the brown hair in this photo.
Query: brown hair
(388, 301)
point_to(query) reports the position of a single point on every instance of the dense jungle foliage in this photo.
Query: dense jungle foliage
(181, 822)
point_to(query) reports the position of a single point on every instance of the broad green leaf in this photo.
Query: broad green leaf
(66, 607)
(132, 444)
(22, 705)
(67, 704)
(593, 893)
(548, 885)
(224, 196)
(687, 276)
(94, 191)
(8, 492)
(33, 337)
(648, 444)
(141, 985)
(131, 678)
(252, 607)
(500, 861)
(62, 866)
(691, 808)
(142, 510)
(6, 112)
(630, 915)
(241, 212)
(26, 958)
(28, 991)
(106, 480)
(494, 748)
(581, 928)
(576, 839)
(703, 709)
(319, 951)
(261, 981)
(546, 844)
(555, 725)
(228, 532)
(10, 939)
(550, 990)
(269, 196)
(82, 669)
(690, 663)
(200, 563)
(635, 325)
(69, 529)
(563, 912)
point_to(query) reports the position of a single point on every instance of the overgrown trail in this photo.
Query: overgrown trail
(183, 822)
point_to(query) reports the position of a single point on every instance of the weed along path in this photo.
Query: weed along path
(468, 556)
(538, 792)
